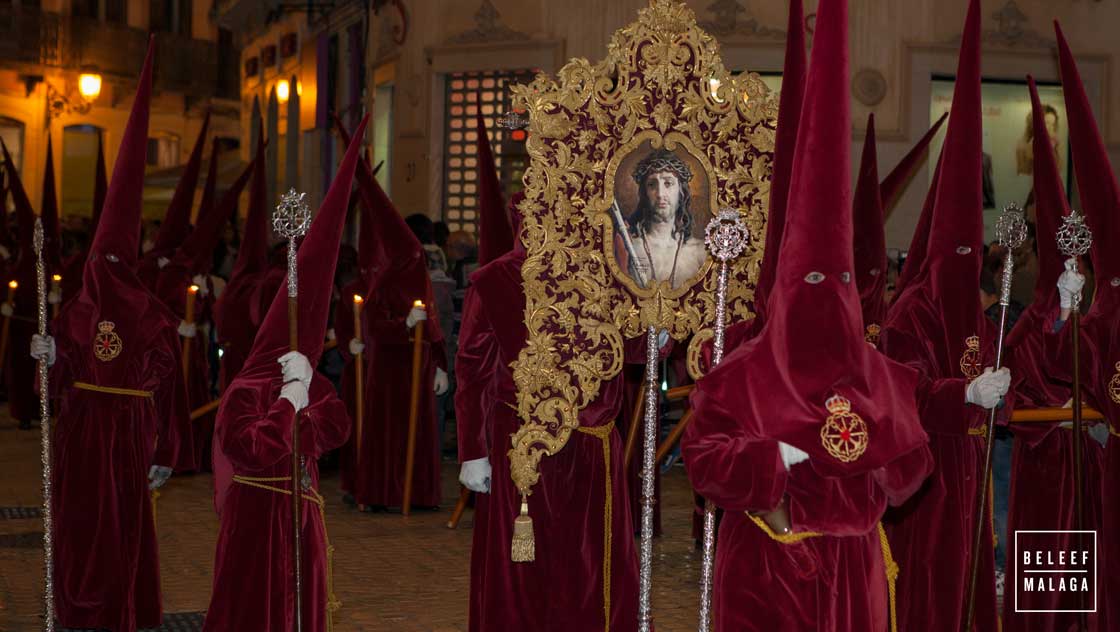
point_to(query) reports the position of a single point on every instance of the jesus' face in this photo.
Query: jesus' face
(663, 190)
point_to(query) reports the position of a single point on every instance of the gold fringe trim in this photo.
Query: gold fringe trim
(112, 390)
(261, 482)
(524, 545)
(604, 435)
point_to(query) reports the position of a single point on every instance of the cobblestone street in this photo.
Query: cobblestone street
(391, 573)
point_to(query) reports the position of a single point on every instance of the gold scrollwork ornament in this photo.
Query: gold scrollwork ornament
(653, 90)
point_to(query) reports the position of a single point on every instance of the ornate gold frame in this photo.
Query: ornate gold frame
(655, 84)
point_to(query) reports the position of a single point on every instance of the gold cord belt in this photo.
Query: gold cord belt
(604, 435)
(262, 482)
(982, 431)
(1113, 431)
(890, 566)
(112, 390)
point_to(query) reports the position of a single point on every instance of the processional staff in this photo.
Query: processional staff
(1011, 232)
(45, 430)
(291, 220)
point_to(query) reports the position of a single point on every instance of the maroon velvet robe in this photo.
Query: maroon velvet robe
(253, 565)
(563, 589)
(104, 445)
(19, 368)
(379, 478)
(931, 534)
(171, 288)
(1100, 375)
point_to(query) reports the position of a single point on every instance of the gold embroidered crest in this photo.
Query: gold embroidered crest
(844, 434)
(872, 334)
(106, 344)
(1114, 386)
(970, 359)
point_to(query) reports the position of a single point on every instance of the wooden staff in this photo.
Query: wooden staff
(359, 395)
(413, 411)
(460, 507)
(192, 292)
(632, 433)
(674, 436)
(203, 410)
(7, 328)
(56, 289)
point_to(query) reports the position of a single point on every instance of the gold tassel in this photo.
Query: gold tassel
(524, 545)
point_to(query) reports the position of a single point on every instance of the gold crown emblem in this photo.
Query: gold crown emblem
(872, 334)
(844, 434)
(1114, 386)
(970, 359)
(973, 343)
(106, 344)
(105, 326)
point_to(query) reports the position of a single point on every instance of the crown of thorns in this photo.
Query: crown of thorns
(662, 161)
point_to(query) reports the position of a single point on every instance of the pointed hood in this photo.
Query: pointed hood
(25, 214)
(52, 246)
(789, 111)
(196, 252)
(810, 360)
(891, 187)
(495, 237)
(252, 257)
(100, 182)
(316, 261)
(919, 242)
(1051, 206)
(870, 246)
(177, 221)
(1096, 183)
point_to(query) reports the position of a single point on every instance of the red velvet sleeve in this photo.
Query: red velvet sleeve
(325, 424)
(170, 397)
(252, 442)
(941, 402)
(736, 472)
(475, 365)
(1059, 352)
(439, 354)
(833, 506)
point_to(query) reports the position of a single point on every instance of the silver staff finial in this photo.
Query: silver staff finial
(292, 216)
(1011, 227)
(726, 235)
(1074, 237)
(513, 120)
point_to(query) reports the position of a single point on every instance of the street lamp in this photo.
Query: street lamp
(283, 91)
(59, 103)
(89, 85)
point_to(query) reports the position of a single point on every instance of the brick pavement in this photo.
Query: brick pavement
(391, 573)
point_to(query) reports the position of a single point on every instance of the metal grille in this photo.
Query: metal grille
(465, 92)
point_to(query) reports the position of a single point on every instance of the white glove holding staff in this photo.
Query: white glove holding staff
(297, 372)
(42, 348)
(475, 475)
(416, 315)
(988, 389)
(1070, 284)
(157, 476)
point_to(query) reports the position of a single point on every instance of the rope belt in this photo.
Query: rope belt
(603, 433)
(890, 566)
(982, 431)
(262, 482)
(112, 390)
(1113, 431)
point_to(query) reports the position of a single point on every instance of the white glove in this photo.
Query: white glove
(6, 310)
(54, 297)
(331, 335)
(42, 348)
(441, 381)
(416, 315)
(157, 476)
(295, 367)
(790, 455)
(187, 330)
(1070, 284)
(356, 346)
(662, 338)
(162, 262)
(475, 475)
(203, 287)
(987, 390)
(296, 393)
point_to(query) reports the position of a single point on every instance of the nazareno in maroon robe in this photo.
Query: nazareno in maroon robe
(581, 489)
(809, 380)
(937, 326)
(1042, 459)
(253, 567)
(398, 277)
(117, 375)
(1100, 328)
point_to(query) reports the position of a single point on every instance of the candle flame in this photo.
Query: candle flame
(13, 284)
(358, 299)
(192, 289)
(418, 303)
(56, 278)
